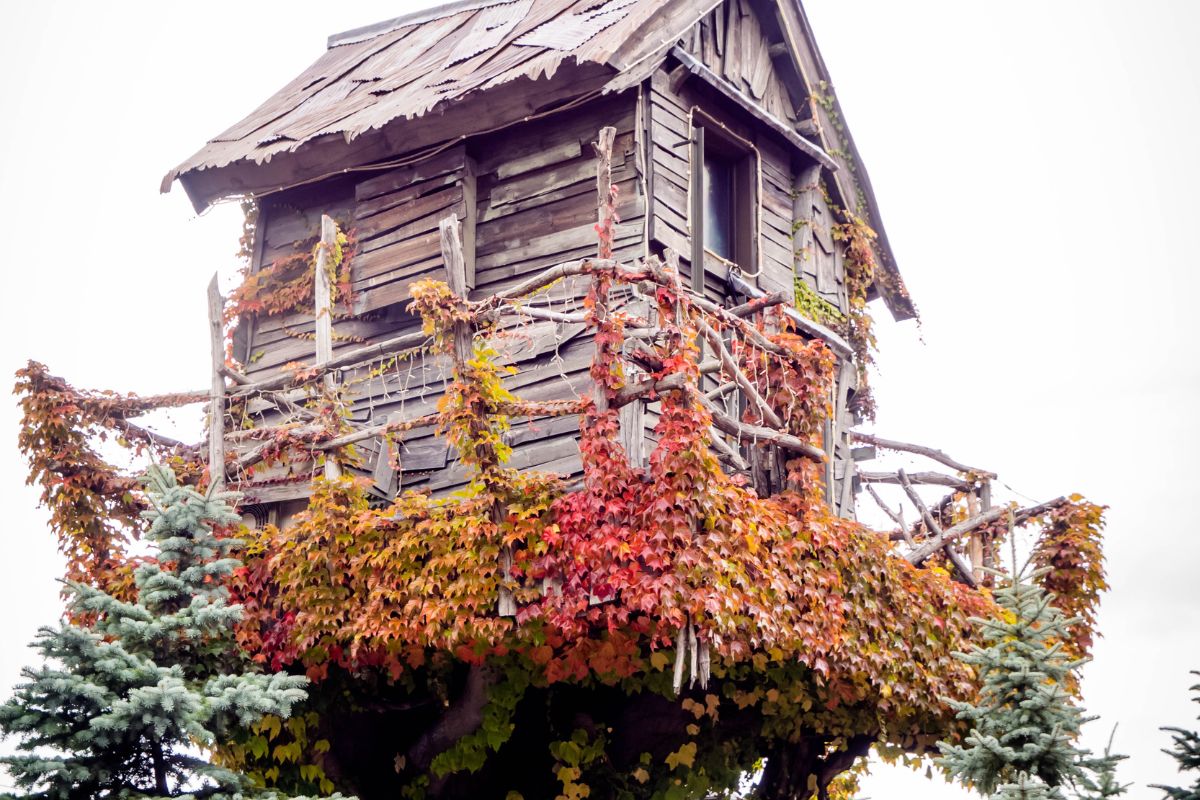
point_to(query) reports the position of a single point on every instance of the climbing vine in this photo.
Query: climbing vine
(1070, 546)
(808, 617)
(94, 508)
(285, 285)
(658, 629)
(861, 271)
(815, 307)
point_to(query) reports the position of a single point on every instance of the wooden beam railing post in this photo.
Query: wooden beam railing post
(323, 316)
(975, 540)
(985, 503)
(463, 342)
(605, 218)
(216, 406)
(937, 535)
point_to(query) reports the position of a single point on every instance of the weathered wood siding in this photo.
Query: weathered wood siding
(528, 199)
(671, 113)
(794, 221)
(731, 42)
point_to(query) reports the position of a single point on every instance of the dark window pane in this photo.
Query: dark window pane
(718, 205)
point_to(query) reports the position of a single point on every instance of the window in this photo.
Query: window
(718, 205)
(724, 197)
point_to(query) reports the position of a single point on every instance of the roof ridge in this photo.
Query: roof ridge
(419, 17)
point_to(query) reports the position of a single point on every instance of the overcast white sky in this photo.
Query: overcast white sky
(1036, 164)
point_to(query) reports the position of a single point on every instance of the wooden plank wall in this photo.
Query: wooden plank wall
(535, 206)
(671, 111)
(731, 42)
(795, 225)
(818, 257)
(531, 191)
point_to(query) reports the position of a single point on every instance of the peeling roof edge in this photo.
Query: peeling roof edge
(568, 68)
(420, 17)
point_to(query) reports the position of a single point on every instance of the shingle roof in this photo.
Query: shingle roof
(408, 66)
(428, 62)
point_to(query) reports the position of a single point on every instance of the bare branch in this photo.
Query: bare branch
(935, 530)
(926, 549)
(917, 478)
(768, 414)
(744, 430)
(921, 450)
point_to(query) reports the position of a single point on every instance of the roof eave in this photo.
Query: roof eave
(893, 291)
(333, 153)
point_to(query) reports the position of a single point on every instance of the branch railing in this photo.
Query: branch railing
(285, 401)
(940, 529)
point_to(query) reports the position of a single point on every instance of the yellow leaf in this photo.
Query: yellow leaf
(683, 757)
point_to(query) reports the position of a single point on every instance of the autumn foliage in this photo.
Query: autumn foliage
(820, 641)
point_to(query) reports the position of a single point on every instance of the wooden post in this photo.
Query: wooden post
(835, 430)
(975, 542)
(605, 219)
(456, 279)
(985, 502)
(631, 413)
(323, 316)
(216, 405)
(803, 236)
(696, 201)
(697, 209)
(463, 344)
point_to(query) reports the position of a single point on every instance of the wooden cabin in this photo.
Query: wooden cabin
(730, 150)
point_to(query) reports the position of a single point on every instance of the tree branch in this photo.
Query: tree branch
(921, 450)
(935, 530)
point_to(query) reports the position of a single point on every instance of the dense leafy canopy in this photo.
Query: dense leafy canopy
(816, 639)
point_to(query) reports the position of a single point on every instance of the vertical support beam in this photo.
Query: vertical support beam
(456, 279)
(323, 318)
(696, 198)
(836, 433)
(985, 502)
(463, 336)
(605, 220)
(470, 218)
(216, 405)
(630, 418)
(975, 542)
(802, 219)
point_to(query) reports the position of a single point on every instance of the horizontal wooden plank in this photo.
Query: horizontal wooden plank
(407, 194)
(448, 160)
(424, 218)
(395, 257)
(419, 214)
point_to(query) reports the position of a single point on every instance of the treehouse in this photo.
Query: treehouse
(540, 393)
(729, 154)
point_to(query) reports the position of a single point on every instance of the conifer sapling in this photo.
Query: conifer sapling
(1186, 751)
(120, 708)
(1024, 725)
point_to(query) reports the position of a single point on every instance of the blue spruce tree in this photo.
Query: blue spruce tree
(124, 708)
(1186, 751)
(1024, 725)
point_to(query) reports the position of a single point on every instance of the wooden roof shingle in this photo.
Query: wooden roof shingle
(418, 80)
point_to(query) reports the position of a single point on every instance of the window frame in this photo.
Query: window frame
(709, 135)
